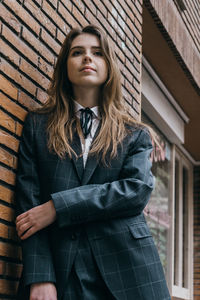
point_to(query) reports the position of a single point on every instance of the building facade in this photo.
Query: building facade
(158, 48)
(170, 103)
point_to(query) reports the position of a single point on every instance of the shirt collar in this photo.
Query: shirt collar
(78, 107)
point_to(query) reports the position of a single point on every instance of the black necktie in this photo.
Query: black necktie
(86, 121)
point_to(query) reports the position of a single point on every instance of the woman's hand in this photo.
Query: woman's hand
(35, 219)
(43, 291)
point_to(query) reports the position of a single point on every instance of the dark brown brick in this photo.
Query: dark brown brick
(8, 87)
(40, 16)
(6, 194)
(19, 45)
(12, 107)
(9, 18)
(37, 45)
(23, 15)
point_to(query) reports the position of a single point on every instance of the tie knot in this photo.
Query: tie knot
(86, 120)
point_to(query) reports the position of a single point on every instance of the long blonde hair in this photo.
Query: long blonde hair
(60, 104)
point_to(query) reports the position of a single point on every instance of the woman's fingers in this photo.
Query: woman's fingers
(35, 219)
(22, 216)
(28, 233)
(22, 228)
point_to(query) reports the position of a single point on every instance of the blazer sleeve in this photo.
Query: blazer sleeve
(125, 197)
(37, 260)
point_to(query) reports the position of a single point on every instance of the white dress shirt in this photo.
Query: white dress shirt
(95, 122)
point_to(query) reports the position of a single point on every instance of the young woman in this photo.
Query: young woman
(84, 178)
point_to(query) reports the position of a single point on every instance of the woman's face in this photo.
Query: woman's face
(86, 65)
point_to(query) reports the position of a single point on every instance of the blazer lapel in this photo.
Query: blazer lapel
(78, 162)
(91, 163)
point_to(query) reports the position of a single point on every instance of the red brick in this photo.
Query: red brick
(8, 232)
(91, 18)
(55, 47)
(10, 269)
(37, 45)
(8, 159)
(78, 16)
(39, 2)
(8, 87)
(9, 18)
(121, 55)
(107, 26)
(53, 3)
(54, 16)
(138, 25)
(17, 77)
(132, 50)
(110, 7)
(23, 15)
(34, 74)
(12, 107)
(20, 45)
(10, 124)
(138, 45)
(9, 250)
(41, 96)
(133, 11)
(81, 4)
(27, 101)
(138, 6)
(6, 213)
(120, 10)
(9, 53)
(67, 16)
(133, 71)
(60, 36)
(91, 7)
(6, 194)
(7, 175)
(8, 287)
(40, 16)
(113, 21)
(45, 67)
(68, 5)
(101, 7)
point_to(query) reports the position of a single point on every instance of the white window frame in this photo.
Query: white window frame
(179, 292)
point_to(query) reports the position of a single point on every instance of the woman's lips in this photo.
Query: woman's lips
(88, 69)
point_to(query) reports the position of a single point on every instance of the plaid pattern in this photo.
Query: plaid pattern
(106, 202)
(85, 281)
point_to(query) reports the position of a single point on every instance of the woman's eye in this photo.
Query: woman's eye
(76, 53)
(98, 53)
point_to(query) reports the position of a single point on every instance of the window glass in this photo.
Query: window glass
(158, 209)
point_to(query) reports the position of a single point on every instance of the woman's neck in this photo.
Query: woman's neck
(87, 97)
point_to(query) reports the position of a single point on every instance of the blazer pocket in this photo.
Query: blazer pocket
(140, 230)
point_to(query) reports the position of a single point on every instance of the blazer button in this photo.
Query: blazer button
(73, 236)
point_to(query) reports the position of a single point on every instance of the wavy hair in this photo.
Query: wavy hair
(60, 104)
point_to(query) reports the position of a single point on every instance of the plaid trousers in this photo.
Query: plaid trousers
(85, 281)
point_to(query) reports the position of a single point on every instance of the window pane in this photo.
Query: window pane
(157, 211)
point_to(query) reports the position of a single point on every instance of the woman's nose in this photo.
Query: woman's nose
(87, 57)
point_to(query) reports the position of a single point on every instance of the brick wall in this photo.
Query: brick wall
(181, 30)
(190, 15)
(197, 233)
(32, 32)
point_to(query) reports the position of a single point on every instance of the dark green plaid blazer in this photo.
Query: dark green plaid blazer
(105, 201)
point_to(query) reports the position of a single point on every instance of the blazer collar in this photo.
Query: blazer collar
(77, 161)
(91, 163)
(84, 174)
